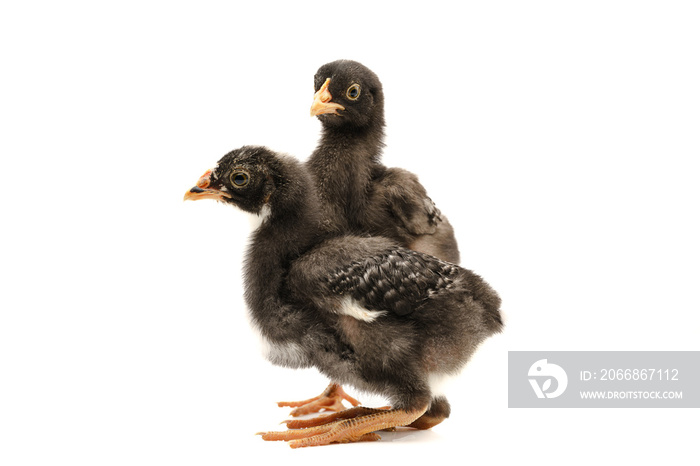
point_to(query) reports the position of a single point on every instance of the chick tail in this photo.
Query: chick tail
(493, 320)
(488, 298)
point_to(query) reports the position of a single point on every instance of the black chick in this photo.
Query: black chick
(364, 311)
(358, 193)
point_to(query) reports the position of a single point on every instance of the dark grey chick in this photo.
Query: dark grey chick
(358, 193)
(364, 311)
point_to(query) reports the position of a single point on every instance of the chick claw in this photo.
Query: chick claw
(330, 400)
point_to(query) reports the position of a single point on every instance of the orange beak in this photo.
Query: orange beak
(203, 191)
(322, 101)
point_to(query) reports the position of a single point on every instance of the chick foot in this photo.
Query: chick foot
(330, 400)
(359, 428)
(327, 419)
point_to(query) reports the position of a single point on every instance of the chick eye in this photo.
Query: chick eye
(353, 92)
(239, 179)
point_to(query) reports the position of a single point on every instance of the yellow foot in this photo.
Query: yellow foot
(357, 428)
(330, 400)
(327, 419)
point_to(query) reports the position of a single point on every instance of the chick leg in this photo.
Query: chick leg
(439, 411)
(330, 400)
(351, 413)
(360, 428)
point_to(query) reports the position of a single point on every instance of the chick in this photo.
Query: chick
(358, 193)
(364, 311)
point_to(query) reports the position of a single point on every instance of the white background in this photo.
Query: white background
(560, 139)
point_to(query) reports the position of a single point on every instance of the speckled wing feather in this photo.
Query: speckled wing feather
(397, 281)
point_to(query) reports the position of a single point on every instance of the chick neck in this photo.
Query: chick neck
(344, 163)
(350, 143)
(289, 229)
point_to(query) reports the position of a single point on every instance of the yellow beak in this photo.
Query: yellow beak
(322, 101)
